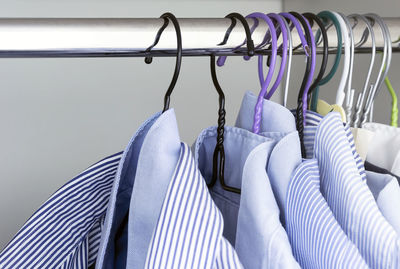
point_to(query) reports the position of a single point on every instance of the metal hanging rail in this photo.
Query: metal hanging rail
(72, 37)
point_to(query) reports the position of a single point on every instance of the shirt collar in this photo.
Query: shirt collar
(246, 156)
(275, 117)
(286, 155)
(156, 144)
(120, 195)
(156, 164)
(284, 159)
(387, 140)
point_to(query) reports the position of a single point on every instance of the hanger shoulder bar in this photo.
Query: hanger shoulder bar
(124, 37)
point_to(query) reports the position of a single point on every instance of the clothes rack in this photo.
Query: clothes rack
(124, 37)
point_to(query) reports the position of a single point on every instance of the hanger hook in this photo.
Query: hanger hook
(148, 59)
(219, 147)
(329, 19)
(367, 32)
(284, 48)
(349, 94)
(264, 83)
(289, 62)
(249, 41)
(387, 54)
(312, 17)
(307, 79)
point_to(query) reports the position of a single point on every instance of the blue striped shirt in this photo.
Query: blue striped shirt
(350, 199)
(172, 221)
(190, 226)
(65, 231)
(312, 121)
(317, 239)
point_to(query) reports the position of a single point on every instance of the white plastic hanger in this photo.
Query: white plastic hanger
(361, 95)
(289, 62)
(368, 105)
(340, 94)
(350, 90)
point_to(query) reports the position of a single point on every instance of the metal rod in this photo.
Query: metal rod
(74, 37)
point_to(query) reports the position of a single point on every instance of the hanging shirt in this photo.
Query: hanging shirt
(386, 191)
(155, 178)
(316, 238)
(65, 231)
(189, 230)
(114, 239)
(376, 169)
(381, 187)
(384, 149)
(251, 218)
(348, 195)
(312, 121)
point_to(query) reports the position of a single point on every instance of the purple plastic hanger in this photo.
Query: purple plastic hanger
(312, 70)
(300, 32)
(284, 47)
(306, 48)
(271, 34)
(264, 85)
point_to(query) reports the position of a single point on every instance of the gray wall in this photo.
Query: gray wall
(385, 8)
(58, 116)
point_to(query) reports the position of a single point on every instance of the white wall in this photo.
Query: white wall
(385, 8)
(58, 116)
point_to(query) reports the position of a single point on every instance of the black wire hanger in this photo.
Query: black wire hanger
(219, 147)
(148, 59)
(311, 18)
(299, 110)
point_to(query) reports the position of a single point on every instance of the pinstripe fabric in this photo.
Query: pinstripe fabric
(189, 229)
(65, 231)
(312, 121)
(349, 198)
(316, 237)
(300, 201)
(114, 237)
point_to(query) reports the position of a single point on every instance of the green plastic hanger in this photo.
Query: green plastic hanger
(327, 16)
(395, 110)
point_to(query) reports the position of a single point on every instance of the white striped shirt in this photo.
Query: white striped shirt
(65, 231)
(189, 229)
(350, 199)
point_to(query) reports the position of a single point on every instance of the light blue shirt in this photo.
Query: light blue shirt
(348, 195)
(153, 182)
(386, 191)
(114, 238)
(252, 218)
(316, 238)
